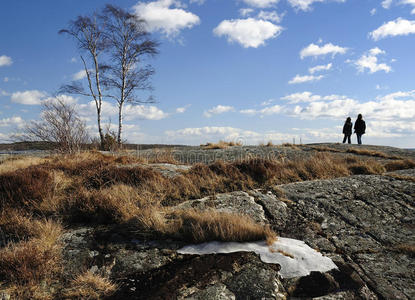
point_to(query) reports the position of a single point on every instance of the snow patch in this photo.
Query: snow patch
(296, 258)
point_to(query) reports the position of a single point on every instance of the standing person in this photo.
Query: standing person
(347, 130)
(359, 128)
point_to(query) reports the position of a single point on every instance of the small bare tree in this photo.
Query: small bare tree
(59, 124)
(128, 42)
(88, 32)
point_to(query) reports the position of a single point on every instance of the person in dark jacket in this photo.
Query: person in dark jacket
(347, 130)
(359, 128)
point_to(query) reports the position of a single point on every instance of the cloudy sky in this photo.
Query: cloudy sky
(246, 70)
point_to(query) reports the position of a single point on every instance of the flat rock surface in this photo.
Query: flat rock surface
(191, 155)
(364, 221)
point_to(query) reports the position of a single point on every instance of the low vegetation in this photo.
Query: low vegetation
(41, 196)
(408, 249)
(357, 151)
(89, 285)
(211, 225)
(372, 153)
(220, 145)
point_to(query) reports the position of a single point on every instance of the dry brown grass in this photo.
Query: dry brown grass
(210, 225)
(90, 286)
(220, 145)
(401, 164)
(285, 253)
(269, 144)
(94, 188)
(19, 226)
(366, 167)
(91, 187)
(402, 177)
(19, 162)
(406, 248)
(290, 145)
(24, 187)
(371, 153)
(29, 267)
(325, 149)
(162, 156)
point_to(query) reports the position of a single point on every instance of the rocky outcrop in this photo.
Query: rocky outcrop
(364, 223)
(236, 202)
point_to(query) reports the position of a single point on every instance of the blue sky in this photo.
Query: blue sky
(246, 70)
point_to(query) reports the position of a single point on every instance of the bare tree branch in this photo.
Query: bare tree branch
(59, 124)
(89, 35)
(128, 43)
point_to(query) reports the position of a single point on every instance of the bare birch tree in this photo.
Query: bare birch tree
(128, 42)
(88, 33)
(60, 124)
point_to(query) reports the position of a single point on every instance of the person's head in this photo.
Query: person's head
(348, 120)
(359, 116)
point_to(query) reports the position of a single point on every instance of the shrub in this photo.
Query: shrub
(60, 125)
(220, 145)
(30, 262)
(400, 165)
(24, 188)
(210, 225)
(90, 286)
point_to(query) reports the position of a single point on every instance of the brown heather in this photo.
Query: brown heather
(220, 145)
(371, 153)
(402, 177)
(14, 163)
(89, 286)
(29, 267)
(210, 225)
(406, 248)
(400, 165)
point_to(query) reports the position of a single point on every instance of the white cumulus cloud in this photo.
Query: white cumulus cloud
(302, 97)
(305, 78)
(398, 106)
(12, 121)
(270, 16)
(244, 12)
(5, 61)
(79, 75)
(131, 112)
(267, 111)
(320, 68)
(260, 3)
(316, 50)
(200, 135)
(309, 97)
(182, 109)
(370, 61)
(143, 112)
(32, 97)
(219, 109)
(248, 32)
(305, 5)
(166, 16)
(409, 2)
(386, 4)
(394, 28)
